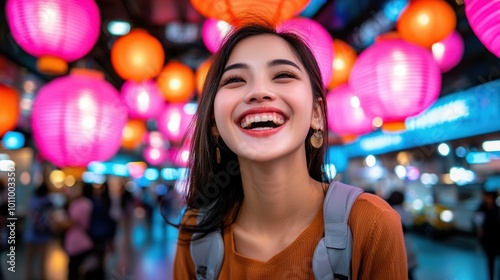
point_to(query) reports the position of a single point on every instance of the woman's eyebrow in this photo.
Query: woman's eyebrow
(271, 63)
(276, 62)
(235, 66)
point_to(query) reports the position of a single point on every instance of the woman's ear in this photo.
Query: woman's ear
(214, 131)
(317, 121)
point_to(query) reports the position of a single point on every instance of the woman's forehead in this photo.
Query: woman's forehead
(266, 46)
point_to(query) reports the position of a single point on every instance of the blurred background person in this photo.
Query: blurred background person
(75, 224)
(396, 200)
(487, 222)
(102, 226)
(38, 232)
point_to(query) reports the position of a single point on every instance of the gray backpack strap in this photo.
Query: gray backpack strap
(332, 257)
(207, 254)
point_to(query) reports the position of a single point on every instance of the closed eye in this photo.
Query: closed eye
(232, 80)
(285, 74)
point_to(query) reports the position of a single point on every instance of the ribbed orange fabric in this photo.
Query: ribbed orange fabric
(378, 249)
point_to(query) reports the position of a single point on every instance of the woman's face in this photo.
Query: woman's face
(264, 106)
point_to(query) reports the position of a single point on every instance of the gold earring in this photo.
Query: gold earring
(317, 139)
(215, 134)
(217, 155)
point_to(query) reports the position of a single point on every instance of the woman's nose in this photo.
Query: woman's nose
(259, 94)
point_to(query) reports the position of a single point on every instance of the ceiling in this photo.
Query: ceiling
(342, 18)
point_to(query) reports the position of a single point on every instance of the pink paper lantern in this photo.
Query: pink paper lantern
(484, 19)
(144, 100)
(78, 119)
(449, 51)
(155, 139)
(180, 156)
(317, 38)
(345, 115)
(63, 30)
(155, 156)
(395, 79)
(213, 33)
(174, 121)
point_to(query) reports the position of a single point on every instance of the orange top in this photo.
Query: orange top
(378, 249)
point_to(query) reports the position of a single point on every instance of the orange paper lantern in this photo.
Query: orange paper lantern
(133, 133)
(240, 12)
(9, 108)
(343, 60)
(137, 56)
(387, 36)
(176, 82)
(75, 171)
(201, 74)
(426, 22)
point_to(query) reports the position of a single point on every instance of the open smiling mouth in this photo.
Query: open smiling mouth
(262, 121)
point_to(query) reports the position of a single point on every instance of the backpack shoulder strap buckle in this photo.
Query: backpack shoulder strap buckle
(207, 254)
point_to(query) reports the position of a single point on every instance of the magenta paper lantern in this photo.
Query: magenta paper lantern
(144, 99)
(213, 33)
(78, 119)
(54, 29)
(317, 38)
(180, 156)
(449, 51)
(174, 121)
(395, 79)
(345, 115)
(484, 19)
(155, 156)
(155, 140)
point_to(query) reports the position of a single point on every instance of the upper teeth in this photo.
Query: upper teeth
(265, 117)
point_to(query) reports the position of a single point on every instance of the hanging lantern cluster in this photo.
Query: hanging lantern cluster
(56, 32)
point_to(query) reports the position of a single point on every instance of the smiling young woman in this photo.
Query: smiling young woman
(256, 173)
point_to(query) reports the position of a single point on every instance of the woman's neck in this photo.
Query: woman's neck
(278, 195)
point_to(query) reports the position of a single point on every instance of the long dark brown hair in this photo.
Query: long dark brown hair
(216, 188)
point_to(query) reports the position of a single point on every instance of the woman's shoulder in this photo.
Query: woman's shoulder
(372, 201)
(371, 210)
